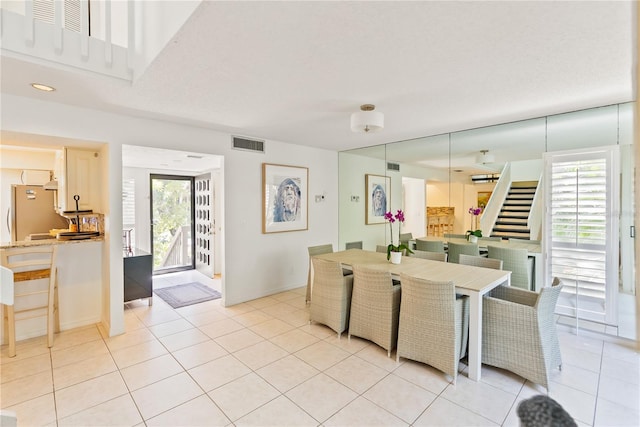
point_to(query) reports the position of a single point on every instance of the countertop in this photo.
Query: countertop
(46, 242)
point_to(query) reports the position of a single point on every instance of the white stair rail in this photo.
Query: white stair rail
(498, 196)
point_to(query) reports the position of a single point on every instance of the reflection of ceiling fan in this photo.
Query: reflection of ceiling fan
(486, 161)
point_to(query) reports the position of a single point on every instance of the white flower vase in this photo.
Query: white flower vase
(396, 257)
(473, 238)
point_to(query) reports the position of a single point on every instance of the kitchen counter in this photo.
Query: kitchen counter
(80, 283)
(45, 242)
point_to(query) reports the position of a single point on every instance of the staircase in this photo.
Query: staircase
(512, 220)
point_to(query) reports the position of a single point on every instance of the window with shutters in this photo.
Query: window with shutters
(43, 10)
(581, 237)
(128, 203)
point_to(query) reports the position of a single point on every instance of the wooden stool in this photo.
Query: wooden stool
(29, 265)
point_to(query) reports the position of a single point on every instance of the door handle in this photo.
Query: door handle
(8, 224)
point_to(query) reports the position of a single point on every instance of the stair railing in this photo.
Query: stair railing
(536, 214)
(494, 205)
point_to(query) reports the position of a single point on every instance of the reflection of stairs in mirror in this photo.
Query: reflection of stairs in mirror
(512, 220)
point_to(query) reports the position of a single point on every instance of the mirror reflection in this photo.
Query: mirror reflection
(437, 180)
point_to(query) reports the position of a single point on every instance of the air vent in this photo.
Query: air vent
(240, 143)
(393, 167)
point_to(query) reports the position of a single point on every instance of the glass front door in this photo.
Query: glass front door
(172, 223)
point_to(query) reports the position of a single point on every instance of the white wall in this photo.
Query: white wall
(414, 203)
(254, 264)
(157, 22)
(526, 170)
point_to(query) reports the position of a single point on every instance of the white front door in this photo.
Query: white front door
(205, 224)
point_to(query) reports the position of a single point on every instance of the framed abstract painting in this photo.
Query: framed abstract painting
(378, 191)
(284, 198)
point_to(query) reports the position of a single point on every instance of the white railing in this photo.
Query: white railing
(536, 214)
(498, 196)
(42, 33)
(178, 251)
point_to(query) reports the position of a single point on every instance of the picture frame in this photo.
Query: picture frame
(284, 198)
(483, 198)
(378, 198)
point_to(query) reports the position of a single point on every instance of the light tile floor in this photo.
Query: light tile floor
(261, 363)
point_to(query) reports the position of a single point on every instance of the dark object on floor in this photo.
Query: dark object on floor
(187, 294)
(543, 411)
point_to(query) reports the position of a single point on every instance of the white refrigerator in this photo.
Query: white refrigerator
(32, 211)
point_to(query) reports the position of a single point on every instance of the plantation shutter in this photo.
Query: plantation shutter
(582, 233)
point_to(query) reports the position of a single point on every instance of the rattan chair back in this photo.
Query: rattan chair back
(315, 250)
(479, 261)
(331, 299)
(434, 323)
(375, 307)
(516, 261)
(455, 249)
(430, 245)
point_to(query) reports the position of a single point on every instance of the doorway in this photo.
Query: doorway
(172, 199)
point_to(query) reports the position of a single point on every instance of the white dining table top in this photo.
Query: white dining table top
(465, 278)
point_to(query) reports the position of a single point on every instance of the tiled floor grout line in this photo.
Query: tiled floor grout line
(261, 308)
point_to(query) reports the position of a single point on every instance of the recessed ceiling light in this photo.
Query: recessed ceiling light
(42, 87)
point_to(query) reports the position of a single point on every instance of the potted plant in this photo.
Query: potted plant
(394, 252)
(475, 232)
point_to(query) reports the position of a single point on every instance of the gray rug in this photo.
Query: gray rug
(187, 294)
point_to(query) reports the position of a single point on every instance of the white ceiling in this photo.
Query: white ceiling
(295, 71)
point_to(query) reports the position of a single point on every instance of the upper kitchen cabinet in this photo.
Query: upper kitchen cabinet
(79, 173)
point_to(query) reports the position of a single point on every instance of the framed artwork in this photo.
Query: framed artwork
(284, 198)
(483, 198)
(378, 191)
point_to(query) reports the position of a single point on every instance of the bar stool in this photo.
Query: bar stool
(21, 266)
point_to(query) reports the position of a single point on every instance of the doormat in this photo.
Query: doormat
(187, 294)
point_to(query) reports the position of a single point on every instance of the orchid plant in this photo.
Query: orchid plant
(399, 216)
(474, 222)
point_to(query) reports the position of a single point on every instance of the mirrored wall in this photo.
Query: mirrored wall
(438, 172)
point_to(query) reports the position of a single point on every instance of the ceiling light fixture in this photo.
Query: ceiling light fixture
(44, 88)
(366, 120)
(484, 157)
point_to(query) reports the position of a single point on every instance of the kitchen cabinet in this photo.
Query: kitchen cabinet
(79, 171)
(138, 275)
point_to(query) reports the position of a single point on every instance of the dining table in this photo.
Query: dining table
(534, 251)
(468, 280)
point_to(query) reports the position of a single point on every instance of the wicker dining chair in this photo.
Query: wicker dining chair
(480, 261)
(315, 250)
(455, 249)
(381, 248)
(331, 299)
(434, 324)
(517, 261)
(404, 239)
(353, 245)
(434, 256)
(454, 236)
(375, 307)
(430, 245)
(519, 331)
(319, 250)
